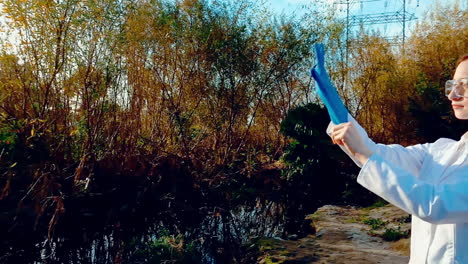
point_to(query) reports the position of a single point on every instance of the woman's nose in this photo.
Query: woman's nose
(453, 96)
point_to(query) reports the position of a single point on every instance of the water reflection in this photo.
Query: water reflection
(218, 237)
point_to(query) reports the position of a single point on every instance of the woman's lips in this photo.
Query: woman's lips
(457, 106)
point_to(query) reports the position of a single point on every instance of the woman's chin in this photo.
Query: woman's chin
(461, 116)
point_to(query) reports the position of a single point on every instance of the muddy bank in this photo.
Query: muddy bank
(345, 235)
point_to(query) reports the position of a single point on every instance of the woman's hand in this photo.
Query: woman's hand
(347, 135)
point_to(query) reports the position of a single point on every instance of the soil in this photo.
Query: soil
(345, 235)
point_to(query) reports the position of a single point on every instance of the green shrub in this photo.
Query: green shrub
(392, 234)
(374, 223)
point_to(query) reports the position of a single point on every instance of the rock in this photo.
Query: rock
(343, 237)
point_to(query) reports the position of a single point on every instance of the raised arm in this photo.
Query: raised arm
(336, 109)
(363, 146)
(440, 203)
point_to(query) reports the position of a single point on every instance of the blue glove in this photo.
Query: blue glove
(325, 89)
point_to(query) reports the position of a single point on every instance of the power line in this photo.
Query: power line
(374, 19)
(380, 18)
(401, 16)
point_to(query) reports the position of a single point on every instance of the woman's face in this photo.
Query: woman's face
(460, 104)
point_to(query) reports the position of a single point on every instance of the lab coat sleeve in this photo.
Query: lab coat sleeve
(409, 158)
(435, 203)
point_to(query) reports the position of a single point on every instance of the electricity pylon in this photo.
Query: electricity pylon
(401, 16)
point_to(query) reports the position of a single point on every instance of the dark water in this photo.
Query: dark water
(218, 236)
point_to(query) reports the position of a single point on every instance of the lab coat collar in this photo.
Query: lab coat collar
(464, 138)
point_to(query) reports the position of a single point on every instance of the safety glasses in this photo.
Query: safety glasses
(459, 87)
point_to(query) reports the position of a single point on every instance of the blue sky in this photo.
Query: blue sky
(418, 7)
(377, 6)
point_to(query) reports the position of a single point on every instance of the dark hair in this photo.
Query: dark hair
(462, 58)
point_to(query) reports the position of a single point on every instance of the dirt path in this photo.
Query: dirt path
(343, 237)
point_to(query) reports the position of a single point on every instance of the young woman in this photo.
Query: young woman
(429, 181)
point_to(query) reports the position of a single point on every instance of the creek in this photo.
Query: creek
(214, 235)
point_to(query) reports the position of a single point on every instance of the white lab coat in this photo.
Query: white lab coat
(429, 181)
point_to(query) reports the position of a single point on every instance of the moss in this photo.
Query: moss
(272, 251)
(404, 219)
(267, 244)
(375, 223)
(356, 219)
(272, 260)
(378, 204)
(392, 234)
